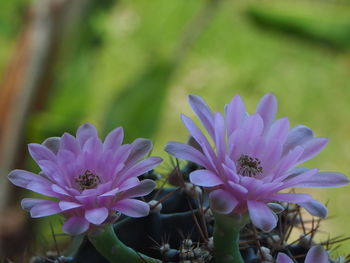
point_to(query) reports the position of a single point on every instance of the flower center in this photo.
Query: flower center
(88, 180)
(249, 166)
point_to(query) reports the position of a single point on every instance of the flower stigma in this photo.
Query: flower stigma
(249, 166)
(88, 180)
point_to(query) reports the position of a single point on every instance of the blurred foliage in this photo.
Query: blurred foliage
(118, 68)
(329, 26)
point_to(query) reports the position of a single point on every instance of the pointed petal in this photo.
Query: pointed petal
(297, 136)
(253, 127)
(283, 258)
(52, 143)
(267, 109)
(312, 148)
(66, 205)
(142, 167)
(69, 143)
(220, 136)
(279, 130)
(262, 216)
(288, 161)
(40, 207)
(205, 178)
(132, 207)
(186, 152)
(97, 215)
(324, 180)
(114, 139)
(140, 147)
(222, 201)
(203, 112)
(75, 225)
(315, 208)
(290, 197)
(40, 152)
(235, 114)
(22, 178)
(144, 188)
(85, 132)
(316, 254)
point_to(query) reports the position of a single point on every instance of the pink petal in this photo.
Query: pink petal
(205, 178)
(114, 139)
(262, 216)
(288, 161)
(186, 152)
(200, 138)
(222, 201)
(22, 178)
(203, 112)
(323, 180)
(312, 148)
(40, 152)
(283, 258)
(144, 188)
(220, 136)
(33, 182)
(128, 183)
(253, 127)
(66, 205)
(140, 147)
(142, 167)
(316, 254)
(296, 137)
(85, 132)
(40, 207)
(132, 207)
(278, 130)
(290, 197)
(315, 208)
(97, 215)
(75, 225)
(52, 143)
(69, 143)
(235, 114)
(267, 109)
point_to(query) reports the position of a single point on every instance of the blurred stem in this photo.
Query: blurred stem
(226, 238)
(108, 245)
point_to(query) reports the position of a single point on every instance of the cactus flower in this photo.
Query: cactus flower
(316, 254)
(251, 158)
(87, 180)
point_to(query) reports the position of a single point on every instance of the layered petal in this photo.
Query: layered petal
(261, 215)
(132, 207)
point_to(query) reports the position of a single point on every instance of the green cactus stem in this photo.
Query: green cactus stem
(108, 244)
(226, 238)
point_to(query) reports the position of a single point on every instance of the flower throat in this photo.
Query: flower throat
(88, 180)
(249, 166)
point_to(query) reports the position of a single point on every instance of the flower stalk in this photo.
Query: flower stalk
(115, 251)
(226, 238)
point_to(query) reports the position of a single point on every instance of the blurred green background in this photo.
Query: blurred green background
(133, 63)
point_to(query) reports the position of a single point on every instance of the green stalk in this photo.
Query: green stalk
(108, 244)
(226, 238)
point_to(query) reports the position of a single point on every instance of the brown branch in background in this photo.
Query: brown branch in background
(24, 89)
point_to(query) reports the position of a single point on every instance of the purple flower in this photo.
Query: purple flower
(90, 180)
(252, 158)
(316, 254)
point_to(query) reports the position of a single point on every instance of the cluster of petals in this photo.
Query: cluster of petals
(249, 159)
(316, 254)
(86, 179)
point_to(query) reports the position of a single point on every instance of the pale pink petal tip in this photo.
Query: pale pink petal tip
(317, 254)
(283, 258)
